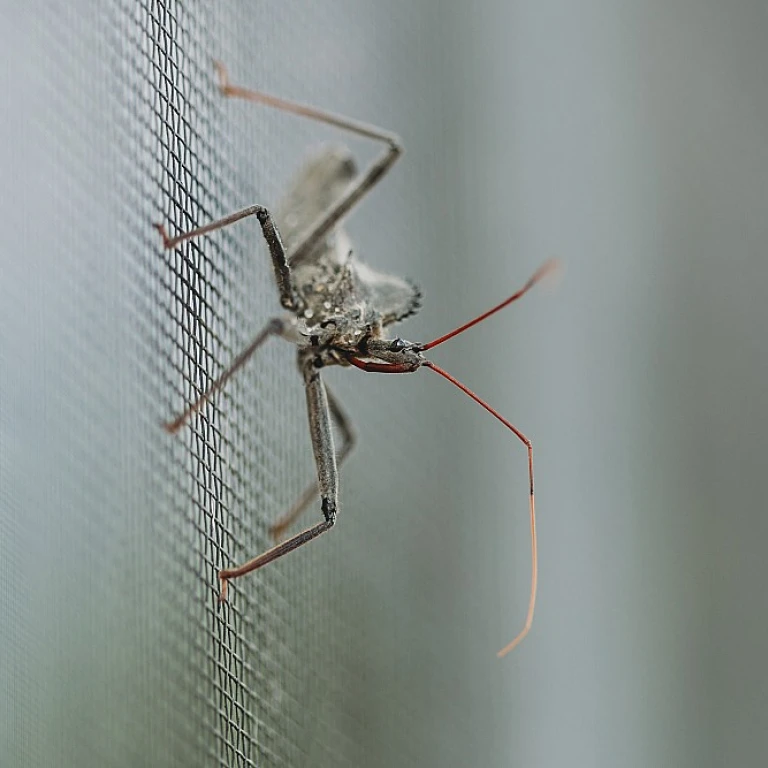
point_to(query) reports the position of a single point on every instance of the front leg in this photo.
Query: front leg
(327, 478)
(288, 296)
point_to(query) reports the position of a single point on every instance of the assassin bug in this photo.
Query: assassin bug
(338, 310)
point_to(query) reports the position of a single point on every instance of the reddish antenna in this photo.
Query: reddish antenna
(545, 269)
(531, 504)
(380, 367)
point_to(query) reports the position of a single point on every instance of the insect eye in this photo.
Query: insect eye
(398, 345)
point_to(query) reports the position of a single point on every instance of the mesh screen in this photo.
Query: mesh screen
(627, 139)
(117, 652)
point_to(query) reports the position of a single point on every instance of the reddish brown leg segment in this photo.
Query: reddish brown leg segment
(317, 230)
(274, 327)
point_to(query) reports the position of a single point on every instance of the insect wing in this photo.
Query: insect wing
(394, 298)
(315, 189)
(329, 267)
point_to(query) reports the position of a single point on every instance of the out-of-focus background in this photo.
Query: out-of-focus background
(627, 139)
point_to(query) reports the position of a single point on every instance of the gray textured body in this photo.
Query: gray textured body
(333, 285)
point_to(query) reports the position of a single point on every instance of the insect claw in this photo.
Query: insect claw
(166, 240)
(172, 427)
(223, 592)
(276, 531)
(223, 74)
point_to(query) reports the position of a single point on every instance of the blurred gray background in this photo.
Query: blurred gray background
(629, 140)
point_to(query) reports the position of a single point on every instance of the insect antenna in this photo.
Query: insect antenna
(373, 366)
(545, 269)
(531, 504)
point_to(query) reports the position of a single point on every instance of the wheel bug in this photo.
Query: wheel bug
(338, 310)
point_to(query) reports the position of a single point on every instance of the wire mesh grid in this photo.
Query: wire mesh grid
(376, 646)
(114, 634)
(148, 519)
(239, 716)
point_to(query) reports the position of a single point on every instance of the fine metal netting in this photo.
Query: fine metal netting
(116, 651)
(626, 139)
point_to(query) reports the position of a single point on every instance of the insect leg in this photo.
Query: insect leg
(275, 327)
(349, 438)
(327, 476)
(330, 218)
(288, 297)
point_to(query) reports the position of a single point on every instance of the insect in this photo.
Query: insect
(338, 312)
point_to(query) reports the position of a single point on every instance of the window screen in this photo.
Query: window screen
(115, 649)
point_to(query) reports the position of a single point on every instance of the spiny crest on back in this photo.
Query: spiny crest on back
(331, 279)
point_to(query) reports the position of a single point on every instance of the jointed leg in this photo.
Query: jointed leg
(288, 296)
(275, 327)
(320, 228)
(349, 439)
(328, 483)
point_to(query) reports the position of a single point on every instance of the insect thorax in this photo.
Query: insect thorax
(328, 278)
